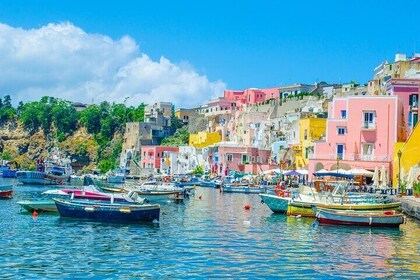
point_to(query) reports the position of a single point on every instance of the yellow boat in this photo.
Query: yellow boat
(304, 209)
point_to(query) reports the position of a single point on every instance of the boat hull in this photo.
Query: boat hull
(6, 191)
(243, 189)
(275, 203)
(108, 212)
(41, 206)
(304, 209)
(354, 218)
(40, 178)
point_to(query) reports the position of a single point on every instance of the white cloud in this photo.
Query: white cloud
(62, 60)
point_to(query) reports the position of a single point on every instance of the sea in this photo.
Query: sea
(209, 235)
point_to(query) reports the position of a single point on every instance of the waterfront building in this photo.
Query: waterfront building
(408, 91)
(151, 157)
(204, 139)
(234, 157)
(182, 161)
(361, 132)
(310, 130)
(409, 156)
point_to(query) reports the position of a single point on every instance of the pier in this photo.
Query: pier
(409, 205)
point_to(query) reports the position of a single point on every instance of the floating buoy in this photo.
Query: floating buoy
(34, 214)
(247, 207)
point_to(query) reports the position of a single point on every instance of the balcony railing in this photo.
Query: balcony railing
(368, 126)
(355, 157)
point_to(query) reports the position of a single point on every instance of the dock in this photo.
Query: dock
(410, 205)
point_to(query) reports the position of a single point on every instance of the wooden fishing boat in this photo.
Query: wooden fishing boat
(108, 212)
(38, 205)
(6, 191)
(304, 208)
(387, 218)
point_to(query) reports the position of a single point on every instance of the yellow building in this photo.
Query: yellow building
(204, 139)
(185, 115)
(410, 155)
(310, 129)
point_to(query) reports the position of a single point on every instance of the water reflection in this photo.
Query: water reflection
(202, 238)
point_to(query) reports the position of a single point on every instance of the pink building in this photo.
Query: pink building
(232, 157)
(361, 132)
(408, 90)
(251, 95)
(151, 156)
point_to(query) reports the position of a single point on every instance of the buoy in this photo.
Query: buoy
(199, 197)
(34, 214)
(247, 207)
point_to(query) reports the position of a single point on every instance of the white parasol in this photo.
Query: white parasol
(384, 180)
(375, 178)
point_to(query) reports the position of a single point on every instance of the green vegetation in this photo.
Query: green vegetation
(6, 156)
(198, 170)
(180, 138)
(58, 119)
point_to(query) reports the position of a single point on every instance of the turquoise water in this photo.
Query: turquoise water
(211, 237)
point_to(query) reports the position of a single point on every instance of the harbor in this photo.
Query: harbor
(210, 235)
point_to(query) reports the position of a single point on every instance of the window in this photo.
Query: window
(368, 119)
(305, 135)
(252, 159)
(341, 130)
(243, 159)
(229, 157)
(340, 151)
(343, 114)
(367, 151)
(259, 159)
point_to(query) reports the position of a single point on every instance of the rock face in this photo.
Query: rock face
(25, 148)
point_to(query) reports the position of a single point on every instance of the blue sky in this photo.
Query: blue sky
(245, 43)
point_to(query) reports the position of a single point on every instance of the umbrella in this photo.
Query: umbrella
(361, 172)
(375, 178)
(384, 181)
(410, 179)
(292, 173)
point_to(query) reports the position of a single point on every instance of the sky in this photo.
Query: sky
(188, 52)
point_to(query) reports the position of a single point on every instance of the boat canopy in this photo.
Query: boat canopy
(334, 174)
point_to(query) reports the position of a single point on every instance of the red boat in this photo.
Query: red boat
(6, 191)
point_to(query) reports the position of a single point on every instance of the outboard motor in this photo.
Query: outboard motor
(88, 181)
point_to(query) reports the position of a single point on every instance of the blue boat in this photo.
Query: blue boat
(107, 212)
(243, 189)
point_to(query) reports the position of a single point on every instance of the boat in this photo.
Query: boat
(38, 205)
(388, 218)
(6, 191)
(300, 202)
(211, 183)
(90, 192)
(304, 209)
(6, 169)
(117, 176)
(274, 203)
(54, 171)
(231, 188)
(107, 212)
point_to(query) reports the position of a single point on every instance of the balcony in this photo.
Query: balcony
(352, 157)
(368, 126)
